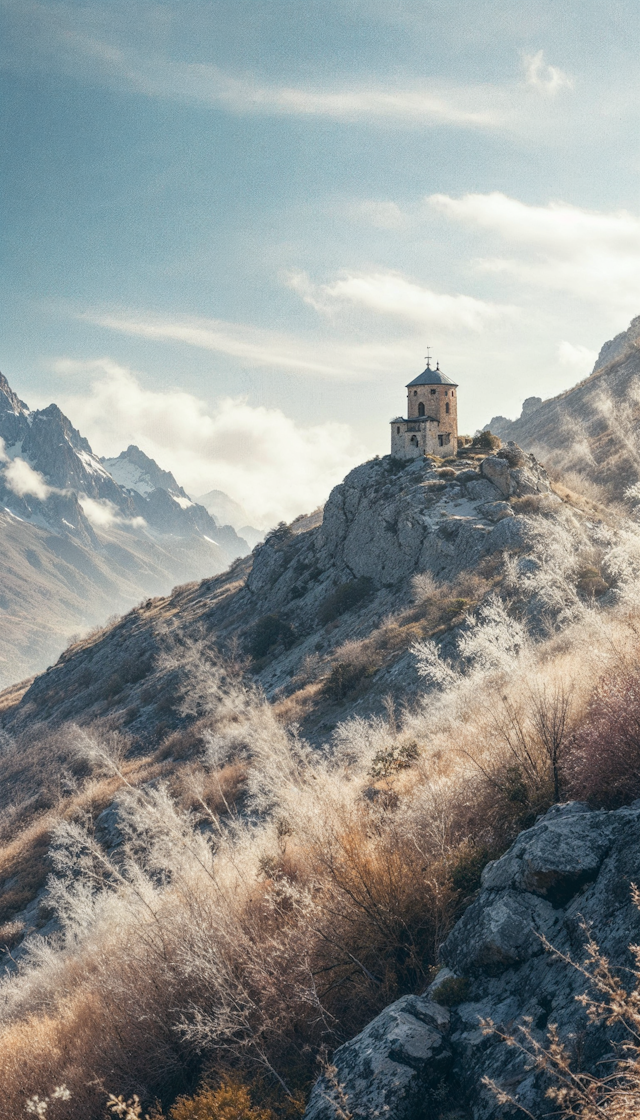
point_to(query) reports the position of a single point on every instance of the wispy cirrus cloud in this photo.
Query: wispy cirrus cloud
(306, 357)
(82, 43)
(389, 294)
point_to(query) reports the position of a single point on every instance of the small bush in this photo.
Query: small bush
(467, 870)
(11, 933)
(344, 678)
(231, 1101)
(267, 633)
(486, 441)
(281, 535)
(452, 991)
(424, 586)
(513, 455)
(344, 598)
(532, 503)
(398, 757)
(591, 584)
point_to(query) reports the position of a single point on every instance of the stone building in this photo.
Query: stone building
(431, 424)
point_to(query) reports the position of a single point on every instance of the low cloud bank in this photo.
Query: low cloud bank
(272, 466)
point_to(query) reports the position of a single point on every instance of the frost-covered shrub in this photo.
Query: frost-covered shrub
(604, 763)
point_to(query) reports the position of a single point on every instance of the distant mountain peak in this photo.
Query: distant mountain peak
(136, 471)
(14, 400)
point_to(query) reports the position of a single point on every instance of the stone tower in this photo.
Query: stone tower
(431, 423)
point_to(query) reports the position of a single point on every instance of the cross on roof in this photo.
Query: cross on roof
(428, 358)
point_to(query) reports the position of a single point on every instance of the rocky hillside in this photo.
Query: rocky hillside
(82, 539)
(324, 613)
(591, 430)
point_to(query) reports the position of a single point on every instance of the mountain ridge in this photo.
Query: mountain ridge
(590, 430)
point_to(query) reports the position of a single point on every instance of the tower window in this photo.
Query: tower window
(441, 439)
(421, 409)
(433, 392)
(452, 392)
(415, 392)
(446, 407)
(398, 431)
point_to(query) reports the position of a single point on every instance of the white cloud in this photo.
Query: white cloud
(390, 294)
(546, 79)
(579, 358)
(342, 361)
(3, 451)
(102, 513)
(274, 467)
(585, 253)
(23, 480)
(199, 82)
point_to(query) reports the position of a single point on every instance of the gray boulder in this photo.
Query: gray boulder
(497, 472)
(389, 1068)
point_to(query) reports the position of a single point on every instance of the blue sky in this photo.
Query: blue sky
(230, 229)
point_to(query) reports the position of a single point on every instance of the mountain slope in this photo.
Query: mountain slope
(76, 544)
(307, 610)
(594, 428)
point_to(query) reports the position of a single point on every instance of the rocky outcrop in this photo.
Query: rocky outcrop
(570, 873)
(386, 521)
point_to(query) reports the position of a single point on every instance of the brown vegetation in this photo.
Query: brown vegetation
(262, 900)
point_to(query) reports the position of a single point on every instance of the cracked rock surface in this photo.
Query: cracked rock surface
(572, 871)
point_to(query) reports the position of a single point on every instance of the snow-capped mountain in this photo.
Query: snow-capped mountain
(134, 470)
(81, 538)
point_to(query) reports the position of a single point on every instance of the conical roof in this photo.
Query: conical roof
(432, 377)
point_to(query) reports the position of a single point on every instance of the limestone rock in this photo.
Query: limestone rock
(388, 1069)
(555, 857)
(497, 471)
(495, 934)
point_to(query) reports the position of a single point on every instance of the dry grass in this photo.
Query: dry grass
(274, 898)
